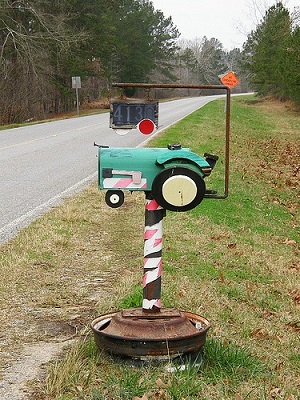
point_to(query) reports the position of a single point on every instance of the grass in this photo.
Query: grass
(234, 261)
(225, 366)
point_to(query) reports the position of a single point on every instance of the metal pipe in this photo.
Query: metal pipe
(167, 86)
(227, 137)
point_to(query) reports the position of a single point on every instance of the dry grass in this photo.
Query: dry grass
(56, 270)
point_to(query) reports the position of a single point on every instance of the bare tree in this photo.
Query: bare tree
(32, 34)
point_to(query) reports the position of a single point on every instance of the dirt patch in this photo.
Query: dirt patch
(38, 337)
(31, 339)
(44, 340)
(28, 368)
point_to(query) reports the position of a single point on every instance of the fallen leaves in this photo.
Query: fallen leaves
(231, 246)
(221, 276)
(260, 333)
(290, 242)
(295, 295)
(160, 394)
(295, 325)
(295, 265)
(263, 334)
(279, 393)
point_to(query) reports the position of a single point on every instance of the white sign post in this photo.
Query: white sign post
(76, 84)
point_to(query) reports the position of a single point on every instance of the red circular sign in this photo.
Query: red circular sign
(146, 126)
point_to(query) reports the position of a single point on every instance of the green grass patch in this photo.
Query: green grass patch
(133, 299)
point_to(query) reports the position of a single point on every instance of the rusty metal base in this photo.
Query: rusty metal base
(144, 335)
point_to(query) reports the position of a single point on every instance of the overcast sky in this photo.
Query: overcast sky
(227, 20)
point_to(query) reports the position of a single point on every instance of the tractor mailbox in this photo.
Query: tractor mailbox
(174, 175)
(173, 179)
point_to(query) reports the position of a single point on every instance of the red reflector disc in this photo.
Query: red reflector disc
(146, 126)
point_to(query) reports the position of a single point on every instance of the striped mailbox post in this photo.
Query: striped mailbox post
(154, 215)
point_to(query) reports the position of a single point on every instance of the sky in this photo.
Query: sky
(227, 20)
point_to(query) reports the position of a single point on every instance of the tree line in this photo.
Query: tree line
(271, 54)
(44, 43)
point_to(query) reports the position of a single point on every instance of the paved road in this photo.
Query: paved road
(42, 164)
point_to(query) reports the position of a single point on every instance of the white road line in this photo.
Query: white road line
(47, 137)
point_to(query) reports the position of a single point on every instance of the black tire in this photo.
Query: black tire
(114, 198)
(186, 173)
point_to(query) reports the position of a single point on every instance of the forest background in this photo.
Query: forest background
(44, 43)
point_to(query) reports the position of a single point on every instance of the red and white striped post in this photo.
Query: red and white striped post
(154, 215)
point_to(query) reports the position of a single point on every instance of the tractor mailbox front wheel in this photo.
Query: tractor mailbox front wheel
(114, 198)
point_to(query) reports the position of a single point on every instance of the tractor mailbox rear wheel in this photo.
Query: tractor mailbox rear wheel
(178, 189)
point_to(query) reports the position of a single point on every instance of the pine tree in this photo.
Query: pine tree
(265, 53)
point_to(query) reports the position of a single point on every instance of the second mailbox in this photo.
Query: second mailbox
(174, 175)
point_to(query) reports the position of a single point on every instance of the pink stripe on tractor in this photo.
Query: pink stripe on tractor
(123, 183)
